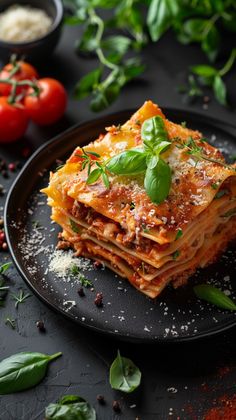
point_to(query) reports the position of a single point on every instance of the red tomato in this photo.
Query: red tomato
(50, 105)
(26, 71)
(13, 121)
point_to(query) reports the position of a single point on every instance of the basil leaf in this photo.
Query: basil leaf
(159, 18)
(105, 180)
(70, 407)
(215, 296)
(124, 374)
(192, 30)
(87, 83)
(152, 161)
(153, 132)
(94, 175)
(116, 46)
(179, 234)
(129, 162)
(220, 90)
(103, 98)
(204, 71)
(88, 42)
(4, 267)
(74, 226)
(157, 181)
(23, 370)
(210, 43)
(229, 213)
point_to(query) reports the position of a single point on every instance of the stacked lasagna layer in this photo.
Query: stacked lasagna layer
(151, 245)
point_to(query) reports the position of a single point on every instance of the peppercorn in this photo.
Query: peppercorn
(97, 264)
(101, 399)
(5, 173)
(12, 167)
(40, 325)
(116, 406)
(81, 292)
(98, 300)
(4, 246)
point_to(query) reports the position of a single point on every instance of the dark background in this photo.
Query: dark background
(180, 381)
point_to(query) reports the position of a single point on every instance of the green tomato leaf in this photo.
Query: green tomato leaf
(157, 181)
(94, 175)
(153, 132)
(204, 71)
(124, 374)
(130, 162)
(87, 84)
(70, 407)
(23, 370)
(220, 90)
(215, 296)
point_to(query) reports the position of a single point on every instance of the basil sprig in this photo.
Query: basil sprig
(23, 370)
(70, 407)
(157, 180)
(215, 296)
(124, 374)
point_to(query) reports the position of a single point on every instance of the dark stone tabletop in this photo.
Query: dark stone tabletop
(180, 381)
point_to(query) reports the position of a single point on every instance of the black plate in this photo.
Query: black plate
(175, 316)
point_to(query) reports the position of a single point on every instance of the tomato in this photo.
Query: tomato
(26, 71)
(13, 121)
(50, 105)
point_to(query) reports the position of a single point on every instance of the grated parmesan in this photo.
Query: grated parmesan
(23, 24)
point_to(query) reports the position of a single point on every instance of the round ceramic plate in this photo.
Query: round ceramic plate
(176, 315)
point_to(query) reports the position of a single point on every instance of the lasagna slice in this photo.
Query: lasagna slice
(112, 218)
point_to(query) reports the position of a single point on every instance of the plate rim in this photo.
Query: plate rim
(220, 124)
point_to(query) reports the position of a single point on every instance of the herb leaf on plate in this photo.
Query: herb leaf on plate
(215, 296)
(70, 407)
(124, 374)
(23, 370)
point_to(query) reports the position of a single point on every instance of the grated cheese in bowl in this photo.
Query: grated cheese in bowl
(23, 24)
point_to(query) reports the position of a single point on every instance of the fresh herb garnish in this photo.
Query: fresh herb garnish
(36, 224)
(74, 226)
(3, 288)
(82, 279)
(70, 407)
(215, 296)
(214, 186)
(21, 298)
(11, 322)
(221, 193)
(178, 234)
(23, 370)
(124, 374)
(4, 268)
(197, 152)
(132, 205)
(176, 254)
(229, 213)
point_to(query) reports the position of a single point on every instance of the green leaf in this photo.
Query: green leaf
(124, 374)
(229, 213)
(129, 162)
(23, 370)
(87, 84)
(105, 97)
(211, 43)
(153, 132)
(115, 46)
(215, 296)
(176, 254)
(157, 181)
(179, 234)
(220, 90)
(204, 71)
(88, 42)
(159, 17)
(94, 175)
(70, 407)
(105, 180)
(192, 30)
(4, 267)
(74, 226)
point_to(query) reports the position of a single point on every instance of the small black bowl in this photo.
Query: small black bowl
(37, 49)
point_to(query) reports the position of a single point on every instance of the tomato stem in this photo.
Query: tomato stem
(15, 84)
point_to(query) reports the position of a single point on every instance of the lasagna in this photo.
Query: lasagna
(112, 219)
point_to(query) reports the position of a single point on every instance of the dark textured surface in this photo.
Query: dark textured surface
(179, 380)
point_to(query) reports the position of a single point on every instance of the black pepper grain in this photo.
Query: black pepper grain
(101, 399)
(40, 325)
(97, 264)
(98, 300)
(81, 292)
(116, 406)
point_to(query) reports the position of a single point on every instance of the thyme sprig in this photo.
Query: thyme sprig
(198, 152)
(21, 298)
